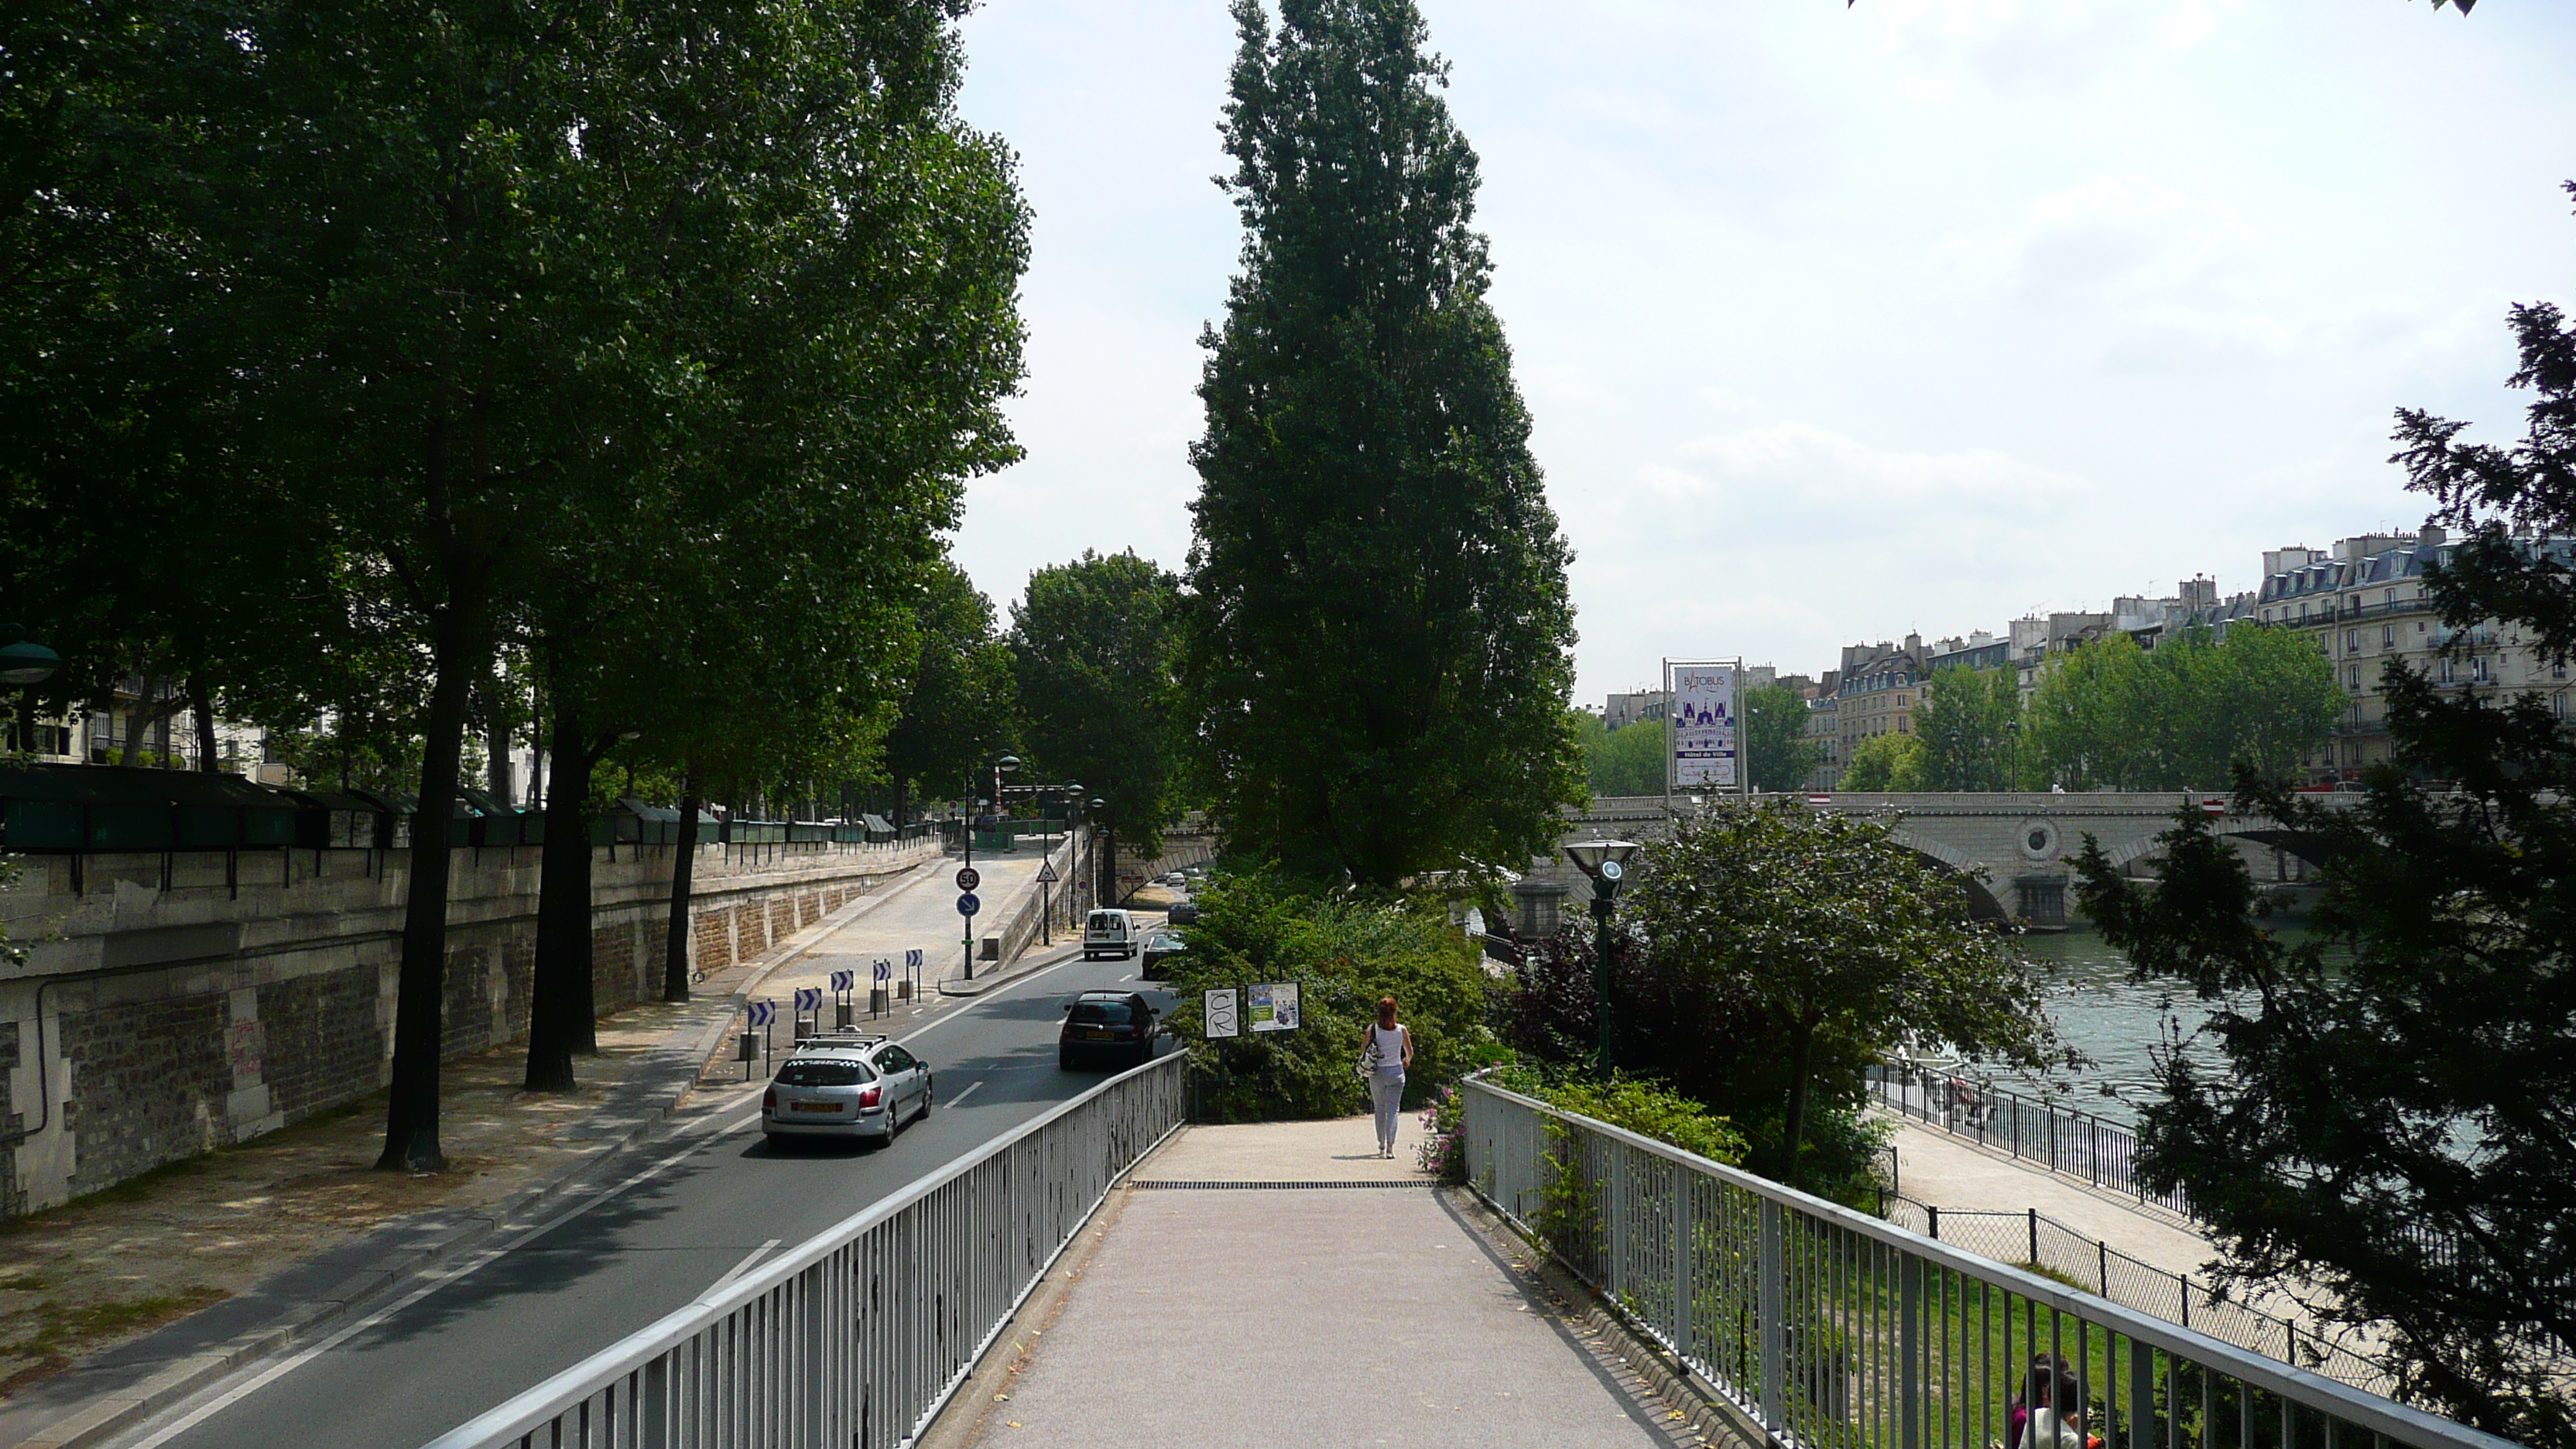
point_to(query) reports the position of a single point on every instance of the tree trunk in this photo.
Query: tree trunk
(140, 720)
(1802, 1051)
(201, 704)
(675, 950)
(411, 1115)
(559, 995)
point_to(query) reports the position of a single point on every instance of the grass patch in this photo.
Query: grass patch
(62, 1330)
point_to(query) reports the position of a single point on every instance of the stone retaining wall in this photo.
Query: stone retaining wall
(173, 1004)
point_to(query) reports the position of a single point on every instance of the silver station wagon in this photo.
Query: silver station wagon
(845, 1086)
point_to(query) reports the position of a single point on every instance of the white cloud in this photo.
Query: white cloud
(1838, 323)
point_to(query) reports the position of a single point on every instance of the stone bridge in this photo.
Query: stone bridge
(2016, 850)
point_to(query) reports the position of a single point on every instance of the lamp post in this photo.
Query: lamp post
(1605, 864)
(1001, 767)
(1109, 835)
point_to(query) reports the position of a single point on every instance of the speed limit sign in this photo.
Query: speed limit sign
(968, 877)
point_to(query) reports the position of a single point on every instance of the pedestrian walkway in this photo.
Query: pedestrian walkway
(1950, 1172)
(1281, 1284)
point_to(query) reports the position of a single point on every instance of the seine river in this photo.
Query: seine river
(2110, 1020)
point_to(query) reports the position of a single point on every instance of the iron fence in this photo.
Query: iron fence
(1834, 1330)
(859, 1336)
(2076, 1144)
(2033, 1239)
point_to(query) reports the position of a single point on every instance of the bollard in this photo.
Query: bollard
(805, 1027)
(876, 1000)
(748, 1052)
(842, 1012)
(903, 989)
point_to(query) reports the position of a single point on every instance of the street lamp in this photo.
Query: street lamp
(1605, 864)
(1109, 835)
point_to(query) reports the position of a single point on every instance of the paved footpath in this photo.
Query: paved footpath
(1935, 1167)
(1378, 1312)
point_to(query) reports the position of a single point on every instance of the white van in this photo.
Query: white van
(1109, 933)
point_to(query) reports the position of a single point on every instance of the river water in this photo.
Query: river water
(2117, 1024)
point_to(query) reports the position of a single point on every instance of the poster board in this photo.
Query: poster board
(1706, 738)
(1273, 1006)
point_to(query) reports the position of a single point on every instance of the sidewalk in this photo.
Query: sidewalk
(1367, 1309)
(136, 1295)
(1948, 1172)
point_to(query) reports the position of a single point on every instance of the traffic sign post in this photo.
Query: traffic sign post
(759, 1014)
(912, 962)
(968, 878)
(844, 1012)
(967, 906)
(879, 992)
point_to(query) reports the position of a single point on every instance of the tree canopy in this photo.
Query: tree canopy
(1970, 726)
(963, 706)
(1886, 762)
(1848, 943)
(1777, 752)
(1378, 655)
(1096, 643)
(1626, 761)
(2111, 716)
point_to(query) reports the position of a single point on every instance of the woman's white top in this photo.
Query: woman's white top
(2049, 1431)
(1389, 1041)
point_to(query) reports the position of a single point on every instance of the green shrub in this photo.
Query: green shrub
(1651, 1109)
(1343, 954)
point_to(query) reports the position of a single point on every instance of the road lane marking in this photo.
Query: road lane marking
(962, 1096)
(738, 1269)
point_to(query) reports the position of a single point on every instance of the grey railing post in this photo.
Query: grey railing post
(1681, 1179)
(653, 1404)
(1770, 1318)
(2142, 1393)
(1909, 1352)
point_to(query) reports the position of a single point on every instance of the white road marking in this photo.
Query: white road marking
(962, 1096)
(738, 1269)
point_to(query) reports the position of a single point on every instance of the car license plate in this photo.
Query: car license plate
(816, 1106)
(1098, 1033)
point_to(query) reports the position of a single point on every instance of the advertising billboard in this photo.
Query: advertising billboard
(1705, 741)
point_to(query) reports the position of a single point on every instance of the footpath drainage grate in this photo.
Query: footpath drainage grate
(1264, 1186)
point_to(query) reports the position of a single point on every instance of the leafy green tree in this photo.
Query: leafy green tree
(2112, 716)
(1970, 724)
(1096, 644)
(484, 289)
(1886, 762)
(1847, 941)
(1626, 761)
(2387, 1117)
(1777, 751)
(1379, 652)
(960, 708)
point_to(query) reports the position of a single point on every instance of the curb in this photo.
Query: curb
(119, 1409)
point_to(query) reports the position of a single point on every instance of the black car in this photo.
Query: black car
(1161, 947)
(1113, 1028)
(1183, 913)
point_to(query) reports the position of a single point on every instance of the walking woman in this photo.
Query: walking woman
(1388, 1053)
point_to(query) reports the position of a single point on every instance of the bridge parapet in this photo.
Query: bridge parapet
(2016, 848)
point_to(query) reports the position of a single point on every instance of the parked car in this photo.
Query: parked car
(845, 1086)
(1160, 947)
(1113, 1027)
(1183, 913)
(1109, 933)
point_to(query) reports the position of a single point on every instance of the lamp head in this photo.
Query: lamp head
(25, 661)
(1007, 763)
(1602, 859)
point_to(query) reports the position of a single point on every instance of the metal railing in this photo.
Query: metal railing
(1833, 1330)
(859, 1336)
(2032, 1239)
(2076, 1144)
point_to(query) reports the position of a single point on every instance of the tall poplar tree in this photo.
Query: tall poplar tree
(1380, 633)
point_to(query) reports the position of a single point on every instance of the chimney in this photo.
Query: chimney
(2431, 535)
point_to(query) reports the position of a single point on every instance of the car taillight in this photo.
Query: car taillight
(868, 1098)
(769, 1101)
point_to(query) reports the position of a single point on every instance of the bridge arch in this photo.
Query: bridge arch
(2314, 849)
(1982, 905)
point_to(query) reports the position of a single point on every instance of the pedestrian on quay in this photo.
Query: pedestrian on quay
(1382, 1062)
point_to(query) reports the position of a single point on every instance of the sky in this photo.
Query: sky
(1841, 323)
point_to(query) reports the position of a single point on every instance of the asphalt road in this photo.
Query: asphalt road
(679, 1214)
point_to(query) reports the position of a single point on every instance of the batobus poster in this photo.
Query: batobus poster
(1704, 733)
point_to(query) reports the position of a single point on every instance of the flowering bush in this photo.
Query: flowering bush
(1444, 1136)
